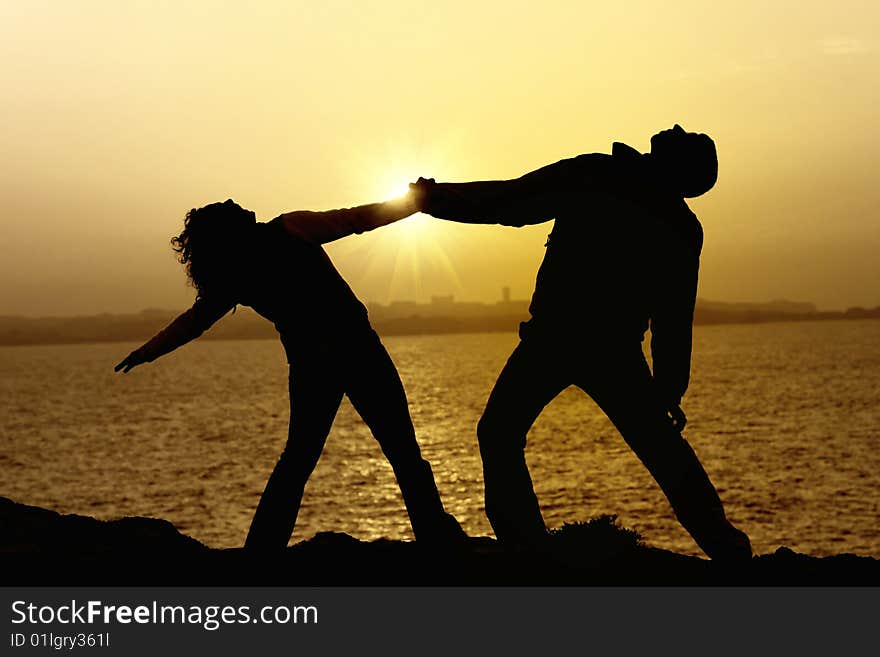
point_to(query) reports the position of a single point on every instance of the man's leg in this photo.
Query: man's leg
(373, 386)
(620, 382)
(531, 378)
(315, 395)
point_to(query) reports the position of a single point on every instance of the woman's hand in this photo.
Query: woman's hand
(132, 360)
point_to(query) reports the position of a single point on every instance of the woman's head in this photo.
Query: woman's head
(213, 240)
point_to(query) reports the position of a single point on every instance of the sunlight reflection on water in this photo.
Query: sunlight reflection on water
(784, 416)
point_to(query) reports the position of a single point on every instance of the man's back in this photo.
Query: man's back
(623, 247)
(623, 253)
(620, 252)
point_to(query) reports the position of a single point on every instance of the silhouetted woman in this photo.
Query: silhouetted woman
(280, 270)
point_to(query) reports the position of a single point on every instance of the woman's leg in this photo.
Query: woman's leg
(315, 395)
(376, 392)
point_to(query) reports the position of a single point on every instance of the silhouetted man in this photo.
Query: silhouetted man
(623, 254)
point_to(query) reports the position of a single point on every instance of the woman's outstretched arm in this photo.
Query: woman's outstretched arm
(187, 326)
(323, 227)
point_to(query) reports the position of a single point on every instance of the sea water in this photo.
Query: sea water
(785, 417)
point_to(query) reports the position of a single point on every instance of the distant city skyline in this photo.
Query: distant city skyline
(441, 315)
(439, 302)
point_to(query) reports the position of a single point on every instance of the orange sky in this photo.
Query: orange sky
(118, 117)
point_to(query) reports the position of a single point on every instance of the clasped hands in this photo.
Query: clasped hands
(419, 192)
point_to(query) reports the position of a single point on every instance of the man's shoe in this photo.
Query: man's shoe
(728, 544)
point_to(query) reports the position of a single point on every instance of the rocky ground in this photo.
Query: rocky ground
(40, 547)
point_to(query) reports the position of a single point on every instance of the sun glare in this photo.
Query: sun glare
(397, 190)
(407, 258)
(409, 252)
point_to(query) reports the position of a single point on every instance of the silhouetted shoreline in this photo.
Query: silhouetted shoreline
(441, 316)
(38, 546)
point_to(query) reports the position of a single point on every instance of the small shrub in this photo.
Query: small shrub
(601, 535)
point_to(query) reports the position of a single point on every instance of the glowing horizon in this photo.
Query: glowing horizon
(123, 116)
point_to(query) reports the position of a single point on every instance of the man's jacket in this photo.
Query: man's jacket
(623, 253)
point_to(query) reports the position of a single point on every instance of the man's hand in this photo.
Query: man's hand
(419, 190)
(132, 360)
(679, 419)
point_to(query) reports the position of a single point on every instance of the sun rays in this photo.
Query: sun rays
(400, 258)
(410, 259)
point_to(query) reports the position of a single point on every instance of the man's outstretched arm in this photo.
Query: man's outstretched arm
(530, 199)
(185, 327)
(329, 225)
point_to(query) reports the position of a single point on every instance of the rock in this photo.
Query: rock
(33, 530)
(39, 547)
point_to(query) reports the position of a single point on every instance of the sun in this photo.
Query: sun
(408, 258)
(410, 251)
(397, 190)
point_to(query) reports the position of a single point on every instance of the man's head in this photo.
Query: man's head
(687, 159)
